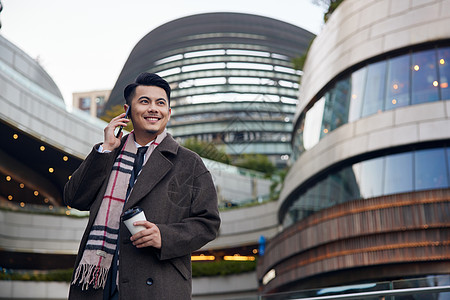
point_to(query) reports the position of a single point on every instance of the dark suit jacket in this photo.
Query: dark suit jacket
(177, 193)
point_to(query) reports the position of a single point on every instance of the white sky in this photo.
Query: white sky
(84, 44)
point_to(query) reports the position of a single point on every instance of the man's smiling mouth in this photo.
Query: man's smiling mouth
(152, 118)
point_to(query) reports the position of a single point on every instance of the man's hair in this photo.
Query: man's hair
(147, 79)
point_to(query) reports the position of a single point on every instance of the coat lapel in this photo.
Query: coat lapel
(156, 167)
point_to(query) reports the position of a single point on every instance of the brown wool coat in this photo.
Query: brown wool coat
(176, 192)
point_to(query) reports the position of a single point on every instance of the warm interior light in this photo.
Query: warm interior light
(46, 200)
(68, 212)
(435, 83)
(239, 258)
(394, 101)
(8, 178)
(42, 148)
(255, 251)
(22, 185)
(36, 193)
(50, 206)
(51, 170)
(354, 96)
(416, 68)
(202, 257)
(15, 136)
(395, 86)
(325, 130)
(22, 204)
(442, 61)
(444, 85)
(10, 197)
(65, 158)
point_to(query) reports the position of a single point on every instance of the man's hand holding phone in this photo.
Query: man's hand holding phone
(112, 140)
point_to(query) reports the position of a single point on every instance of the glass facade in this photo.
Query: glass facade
(411, 171)
(233, 82)
(234, 94)
(416, 77)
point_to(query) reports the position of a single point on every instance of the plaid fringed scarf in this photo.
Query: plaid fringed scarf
(102, 241)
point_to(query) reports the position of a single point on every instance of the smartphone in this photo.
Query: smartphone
(121, 127)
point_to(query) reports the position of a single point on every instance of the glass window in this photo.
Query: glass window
(430, 169)
(448, 164)
(397, 92)
(357, 90)
(100, 101)
(298, 139)
(371, 184)
(444, 72)
(313, 123)
(327, 113)
(375, 86)
(85, 103)
(336, 106)
(398, 173)
(424, 77)
(350, 187)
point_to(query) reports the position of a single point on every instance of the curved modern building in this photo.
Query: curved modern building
(43, 142)
(368, 196)
(232, 79)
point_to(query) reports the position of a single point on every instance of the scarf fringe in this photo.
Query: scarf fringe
(90, 276)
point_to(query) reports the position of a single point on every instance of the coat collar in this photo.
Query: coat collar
(168, 145)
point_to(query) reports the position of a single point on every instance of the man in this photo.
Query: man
(173, 188)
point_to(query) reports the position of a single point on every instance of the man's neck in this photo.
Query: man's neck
(143, 142)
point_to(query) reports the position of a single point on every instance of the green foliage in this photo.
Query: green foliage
(199, 269)
(257, 162)
(277, 183)
(299, 62)
(56, 275)
(329, 7)
(333, 5)
(114, 112)
(222, 268)
(207, 150)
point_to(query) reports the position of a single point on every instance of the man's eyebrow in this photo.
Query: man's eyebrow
(147, 98)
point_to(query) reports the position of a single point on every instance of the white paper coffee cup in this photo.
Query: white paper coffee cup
(132, 215)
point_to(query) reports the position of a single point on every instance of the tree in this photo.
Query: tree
(298, 62)
(114, 112)
(277, 183)
(329, 7)
(207, 150)
(257, 162)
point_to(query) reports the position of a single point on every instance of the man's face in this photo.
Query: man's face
(150, 112)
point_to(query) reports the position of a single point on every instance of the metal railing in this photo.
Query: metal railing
(436, 287)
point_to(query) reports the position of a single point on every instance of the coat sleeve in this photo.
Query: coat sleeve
(83, 186)
(199, 228)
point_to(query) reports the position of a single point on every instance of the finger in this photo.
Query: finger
(147, 224)
(122, 115)
(144, 241)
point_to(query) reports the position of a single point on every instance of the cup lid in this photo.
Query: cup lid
(131, 213)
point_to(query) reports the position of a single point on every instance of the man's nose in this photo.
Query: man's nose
(152, 107)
